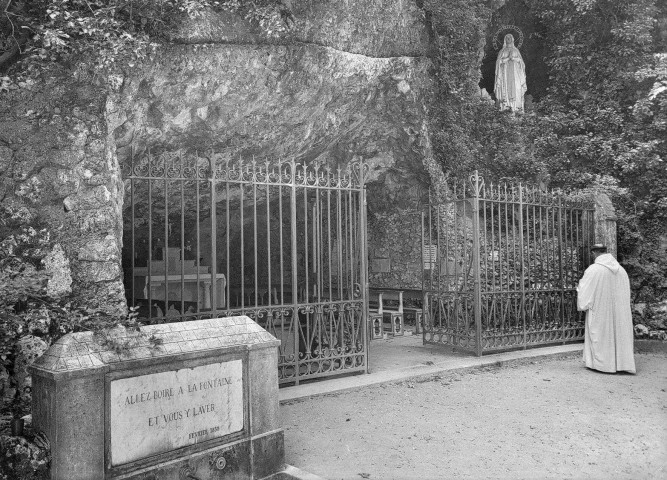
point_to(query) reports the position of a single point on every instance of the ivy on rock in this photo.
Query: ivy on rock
(113, 34)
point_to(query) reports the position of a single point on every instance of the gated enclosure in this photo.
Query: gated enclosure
(501, 265)
(207, 236)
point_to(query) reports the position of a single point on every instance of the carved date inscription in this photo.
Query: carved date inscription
(160, 412)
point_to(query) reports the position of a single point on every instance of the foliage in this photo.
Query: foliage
(25, 306)
(111, 34)
(457, 31)
(27, 314)
(31, 318)
(470, 133)
(22, 459)
(603, 121)
(504, 148)
(601, 126)
(22, 246)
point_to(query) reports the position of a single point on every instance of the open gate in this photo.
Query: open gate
(285, 244)
(501, 266)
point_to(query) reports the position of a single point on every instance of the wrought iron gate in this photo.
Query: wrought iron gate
(501, 265)
(284, 244)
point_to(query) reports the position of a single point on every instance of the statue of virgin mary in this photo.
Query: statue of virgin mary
(510, 85)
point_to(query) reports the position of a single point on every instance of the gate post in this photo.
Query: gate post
(605, 222)
(477, 295)
(364, 266)
(561, 277)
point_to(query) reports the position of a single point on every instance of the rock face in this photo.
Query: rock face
(60, 278)
(395, 255)
(374, 28)
(309, 102)
(57, 161)
(350, 82)
(641, 330)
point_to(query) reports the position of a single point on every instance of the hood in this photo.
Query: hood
(608, 260)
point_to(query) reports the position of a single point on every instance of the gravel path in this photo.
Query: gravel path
(546, 419)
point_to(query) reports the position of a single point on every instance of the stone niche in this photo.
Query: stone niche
(183, 400)
(533, 49)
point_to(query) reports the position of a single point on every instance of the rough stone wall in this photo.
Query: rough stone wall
(395, 257)
(313, 103)
(378, 28)
(55, 159)
(345, 66)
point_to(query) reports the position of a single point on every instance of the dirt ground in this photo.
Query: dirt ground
(545, 419)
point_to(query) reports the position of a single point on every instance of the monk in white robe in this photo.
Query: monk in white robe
(604, 293)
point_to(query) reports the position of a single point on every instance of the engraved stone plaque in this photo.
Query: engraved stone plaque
(160, 412)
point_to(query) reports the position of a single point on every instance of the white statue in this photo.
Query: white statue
(510, 85)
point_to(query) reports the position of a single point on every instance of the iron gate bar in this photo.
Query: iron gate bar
(477, 281)
(197, 250)
(242, 249)
(132, 233)
(295, 286)
(182, 246)
(166, 239)
(150, 245)
(228, 291)
(269, 272)
(561, 286)
(214, 235)
(523, 276)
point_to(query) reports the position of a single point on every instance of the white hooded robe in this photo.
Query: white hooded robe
(604, 293)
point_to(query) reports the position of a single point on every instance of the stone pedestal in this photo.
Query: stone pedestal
(182, 400)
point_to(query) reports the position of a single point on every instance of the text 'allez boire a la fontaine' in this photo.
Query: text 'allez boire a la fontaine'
(172, 392)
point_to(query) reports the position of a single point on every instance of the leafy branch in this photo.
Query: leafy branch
(114, 34)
